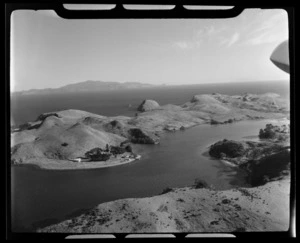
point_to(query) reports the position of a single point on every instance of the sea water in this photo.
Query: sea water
(41, 197)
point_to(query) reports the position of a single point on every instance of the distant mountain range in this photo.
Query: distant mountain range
(87, 86)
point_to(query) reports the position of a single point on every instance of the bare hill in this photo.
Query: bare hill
(70, 133)
(262, 208)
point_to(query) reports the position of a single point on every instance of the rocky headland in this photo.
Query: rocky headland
(266, 160)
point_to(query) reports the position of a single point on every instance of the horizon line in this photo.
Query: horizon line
(163, 84)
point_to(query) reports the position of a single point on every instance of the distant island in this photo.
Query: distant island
(87, 86)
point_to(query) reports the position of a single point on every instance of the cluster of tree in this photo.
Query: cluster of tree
(117, 150)
(272, 131)
(229, 148)
(99, 154)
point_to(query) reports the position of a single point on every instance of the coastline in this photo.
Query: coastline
(71, 133)
(52, 164)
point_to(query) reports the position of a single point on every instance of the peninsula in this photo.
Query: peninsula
(56, 140)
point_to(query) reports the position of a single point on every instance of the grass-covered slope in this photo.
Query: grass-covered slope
(263, 208)
(70, 133)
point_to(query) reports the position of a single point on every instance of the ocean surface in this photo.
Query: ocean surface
(41, 197)
(125, 102)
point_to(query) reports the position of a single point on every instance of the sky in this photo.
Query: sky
(49, 52)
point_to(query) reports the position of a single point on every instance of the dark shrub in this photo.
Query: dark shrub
(126, 142)
(117, 150)
(166, 190)
(97, 154)
(199, 183)
(225, 201)
(231, 149)
(44, 116)
(214, 122)
(269, 132)
(24, 126)
(64, 144)
(240, 229)
(128, 148)
(116, 124)
(267, 168)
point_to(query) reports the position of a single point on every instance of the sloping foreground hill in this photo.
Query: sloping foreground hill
(70, 133)
(263, 208)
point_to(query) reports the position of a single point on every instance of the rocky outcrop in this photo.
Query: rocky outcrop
(204, 99)
(148, 105)
(45, 115)
(263, 161)
(139, 136)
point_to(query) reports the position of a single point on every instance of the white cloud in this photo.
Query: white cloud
(182, 45)
(209, 31)
(186, 45)
(272, 22)
(263, 39)
(270, 29)
(199, 36)
(231, 40)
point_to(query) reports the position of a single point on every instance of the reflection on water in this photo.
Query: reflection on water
(41, 197)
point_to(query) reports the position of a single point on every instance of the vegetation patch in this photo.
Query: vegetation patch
(230, 148)
(226, 201)
(103, 220)
(199, 183)
(274, 131)
(166, 190)
(240, 229)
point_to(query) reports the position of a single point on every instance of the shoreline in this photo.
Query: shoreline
(58, 165)
(66, 165)
(71, 133)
